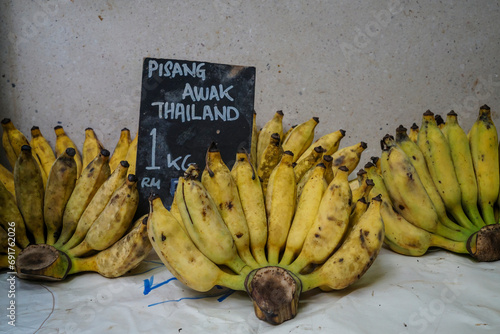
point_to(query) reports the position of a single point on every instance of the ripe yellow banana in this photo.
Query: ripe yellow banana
(92, 146)
(326, 160)
(305, 214)
(413, 134)
(330, 142)
(9, 212)
(439, 121)
(252, 202)
(131, 157)
(181, 256)
(330, 224)
(436, 151)
(355, 255)
(271, 156)
(60, 185)
(12, 141)
(29, 193)
(483, 139)
(274, 125)
(92, 177)
(113, 221)
(287, 133)
(97, 204)
(464, 168)
(405, 238)
(42, 149)
(358, 210)
(348, 156)
(123, 256)
(406, 191)
(7, 178)
(280, 206)
(121, 149)
(219, 183)
(418, 161)
(9, 151)
(312, 159)
(300, 138)
(205, 225)
(255, 138)
(63, 141)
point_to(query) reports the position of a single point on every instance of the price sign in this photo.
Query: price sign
(185, 106)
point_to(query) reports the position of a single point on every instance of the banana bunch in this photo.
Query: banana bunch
(250, 228)
(62, 212)
(440, 187)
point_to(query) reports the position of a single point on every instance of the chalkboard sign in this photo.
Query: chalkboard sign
(185, 106)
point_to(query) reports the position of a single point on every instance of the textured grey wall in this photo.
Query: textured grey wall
(363, 66)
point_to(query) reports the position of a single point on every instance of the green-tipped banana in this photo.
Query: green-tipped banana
(30, 193)
(405, 238)
(60, 185)
(417, 159)
(436, 151)
(464, 167)
(408, 195)
(483, 139)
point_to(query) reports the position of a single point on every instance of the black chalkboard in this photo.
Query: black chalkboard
(185, 106)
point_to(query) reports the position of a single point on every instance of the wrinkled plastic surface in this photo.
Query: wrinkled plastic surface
(440, 292)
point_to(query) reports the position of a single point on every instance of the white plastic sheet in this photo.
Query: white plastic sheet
(440, 292)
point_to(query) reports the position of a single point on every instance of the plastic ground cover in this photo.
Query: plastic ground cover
(440, 292)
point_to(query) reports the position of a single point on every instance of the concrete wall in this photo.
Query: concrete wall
(363, 66)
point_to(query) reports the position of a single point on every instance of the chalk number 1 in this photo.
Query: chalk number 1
(153, 151)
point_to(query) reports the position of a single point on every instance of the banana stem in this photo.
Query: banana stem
(79, 264)
(456, 233)
(233, 282)
(451, 245)
(472, 211)
(488, 214)
(462, 219)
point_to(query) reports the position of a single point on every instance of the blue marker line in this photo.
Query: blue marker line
(148, 284)
(224, 296)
